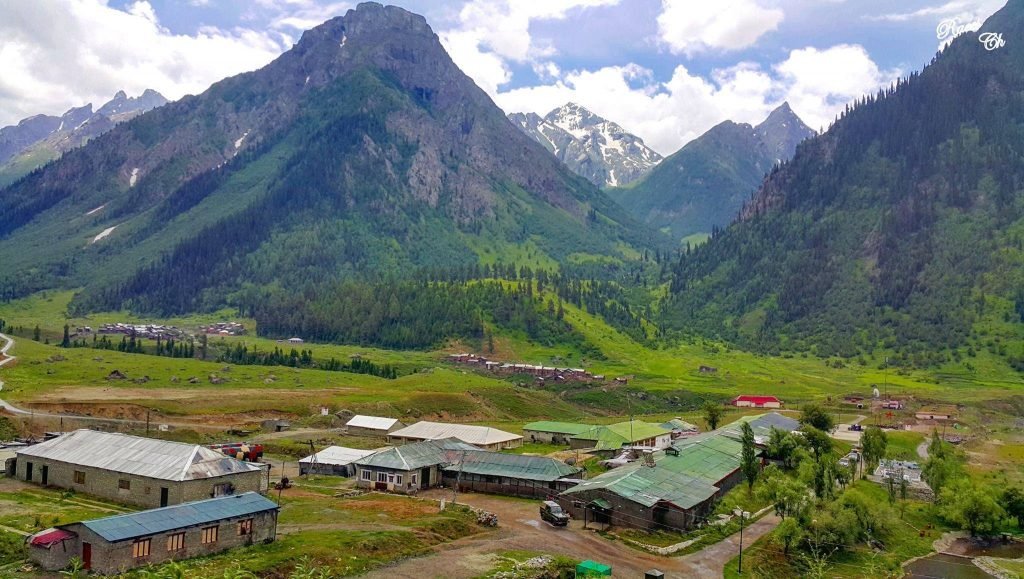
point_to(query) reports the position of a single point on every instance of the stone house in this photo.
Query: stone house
(116, 544)
(134, 470)
(410, 467)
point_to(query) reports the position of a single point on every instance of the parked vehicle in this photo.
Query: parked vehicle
(552, 512)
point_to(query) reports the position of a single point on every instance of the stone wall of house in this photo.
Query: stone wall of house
(56, 556)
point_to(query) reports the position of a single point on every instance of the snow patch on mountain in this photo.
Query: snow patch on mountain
(595, 148)
(103, 234)
(97, 210)
(134, 177)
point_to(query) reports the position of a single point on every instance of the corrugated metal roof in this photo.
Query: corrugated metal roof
(614, 436)
(679, 424)
(374, 422)
(338, 455)
(417, 455)
(479, 435)
(155, 521)
(650, 485)
(482, 462)
(148, 457)
(558, 427)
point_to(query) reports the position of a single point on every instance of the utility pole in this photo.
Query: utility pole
(742, 515)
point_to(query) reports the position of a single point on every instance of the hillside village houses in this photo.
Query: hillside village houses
(134, 470)
(116, 544)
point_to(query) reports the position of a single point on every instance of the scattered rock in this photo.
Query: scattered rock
(215, 379)
(174, 379)
(116, 375)
(142, 380)
(56, 358)
(97, 359)
(226, 369)
(193, 380)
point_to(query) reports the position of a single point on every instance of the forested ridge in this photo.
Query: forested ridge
(900, 228)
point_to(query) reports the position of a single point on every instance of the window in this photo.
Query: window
(245, 527)
(364, 474)
(79, 477)
(124, 484)
(209, 535)
(176, 542)
(398, 479)
(382, 477)
(140, 548)
(412, 478)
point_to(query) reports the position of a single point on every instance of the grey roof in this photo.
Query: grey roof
(374, 422)
(155, 521)
(148, 457)
(338, 455)
(418, 455)
(479, 435)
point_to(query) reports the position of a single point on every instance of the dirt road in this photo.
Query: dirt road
(521, 529)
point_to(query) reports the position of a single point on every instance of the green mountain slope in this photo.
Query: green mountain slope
(363, 151)
(702, 186)
(901, 227)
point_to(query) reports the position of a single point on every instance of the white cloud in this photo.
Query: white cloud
(688, 26)
(667, 115)
(489, 33)
(965, 11)
(819, 83)
(56, 54)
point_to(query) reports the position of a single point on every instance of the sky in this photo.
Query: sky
(666, 70)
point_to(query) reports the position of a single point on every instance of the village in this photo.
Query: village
(200, 500)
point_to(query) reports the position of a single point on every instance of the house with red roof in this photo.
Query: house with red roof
(748, 401)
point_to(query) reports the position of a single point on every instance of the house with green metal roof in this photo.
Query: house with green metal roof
(611, 438)
(553, 432)
(115, 544)
(671, 489)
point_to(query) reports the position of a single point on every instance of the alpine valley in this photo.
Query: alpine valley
(773, 353)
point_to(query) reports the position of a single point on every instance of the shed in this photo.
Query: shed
(113, 544)
(750, 401)
(553, 432)
(481, 436)
(372, 425)
(333, 460)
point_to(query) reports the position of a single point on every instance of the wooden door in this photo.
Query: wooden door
(87, 556)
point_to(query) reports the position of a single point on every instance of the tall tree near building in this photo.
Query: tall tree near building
(712, 414)
(874, 442)
(748, 459)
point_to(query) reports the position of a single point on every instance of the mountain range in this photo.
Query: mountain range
(36, 140)
(901, 227)
(594, 148)
(703, 185)
(361, 151)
